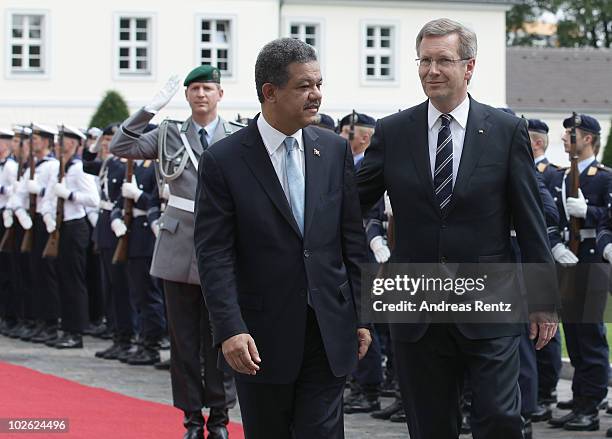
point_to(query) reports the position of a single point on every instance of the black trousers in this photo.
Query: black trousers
(147, 299)
(310, 407)
(72, 258)
(5, 276)
(97, 300)
(115, 281)
(45, 286)
(20, 305)
(191, 350)
(431, 372)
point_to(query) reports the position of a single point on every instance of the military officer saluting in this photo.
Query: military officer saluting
(584, 292)
(178, 147)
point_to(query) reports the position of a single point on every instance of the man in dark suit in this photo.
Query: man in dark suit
(458, 174)
(278, 236)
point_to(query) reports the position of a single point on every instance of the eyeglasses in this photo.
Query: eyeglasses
(442, 62)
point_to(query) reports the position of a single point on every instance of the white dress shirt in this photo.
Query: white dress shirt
(274, 142)
(44, 172)
(457, 128)
(8, 180)
(583, 164)
(539, 159)
(210, 129)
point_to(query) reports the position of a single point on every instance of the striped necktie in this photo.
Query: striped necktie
(443, 173)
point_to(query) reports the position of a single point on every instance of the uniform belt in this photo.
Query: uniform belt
(138, 212)
(584, 234)
(106, 205)
(181, 203)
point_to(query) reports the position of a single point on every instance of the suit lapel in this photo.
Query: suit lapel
(314, 174)
(476, 133)
(258, 160)
(417, 133)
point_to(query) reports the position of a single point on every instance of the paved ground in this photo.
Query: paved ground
(147, 383)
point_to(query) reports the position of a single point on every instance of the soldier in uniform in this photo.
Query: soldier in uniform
(178, 147)
(8, 179)
(325, 121)
(110, 171)
(585, 288)
(145, 294)
(78, 190)
(20, 263)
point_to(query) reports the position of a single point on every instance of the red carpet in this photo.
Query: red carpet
(93, 413)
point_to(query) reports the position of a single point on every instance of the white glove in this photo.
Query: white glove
(49, 222)
(93, 218)
(577, 207)
(380, 249)
(564, 256)
(161, 99)
(33, 187)
(7, 218)
(131, 190)
(388, 209)
(24, 219)
(61, 190)
(95, 146)
(607, 253)
(118, 227)
(166, 192)
(155, 228)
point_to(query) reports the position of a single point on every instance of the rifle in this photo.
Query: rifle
(352, 126)
(28, 236)
(574, 178)
(8, 239)
(51, 249)
(121, 251)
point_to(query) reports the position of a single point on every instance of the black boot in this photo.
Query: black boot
(32, 331)
(587, 418)
(144, 357)
(162, 365)
(48, 333)
(70, 340)
(543, 412)
(18, 329)
(527, 428)
(566, 405)
(194, 424)
(399, 416)
(363, 404)
(216, 424)
(388, 411)
(7, 326)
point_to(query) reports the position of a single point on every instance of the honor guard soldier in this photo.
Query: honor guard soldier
(70, 192)
(538, 134)
(145, 294)
(110, 170)
(585, 289)
(178, 147)
(8, 180)
(325, 121)
(19, 301)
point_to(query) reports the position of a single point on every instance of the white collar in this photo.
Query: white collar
(460, 113)
(583, 164)
(210, 128)
(273, 138)
(539, 159)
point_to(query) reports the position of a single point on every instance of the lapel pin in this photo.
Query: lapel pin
(480, 131)
(316, 152)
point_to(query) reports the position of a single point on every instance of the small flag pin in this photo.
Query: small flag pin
(316, 152)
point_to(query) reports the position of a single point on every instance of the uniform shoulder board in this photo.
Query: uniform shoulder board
(146, 163)
(231, 126)
(554, 166)
(592, 170)
(542, 167)
(604, 167)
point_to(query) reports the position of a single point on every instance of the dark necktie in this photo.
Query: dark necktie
(203, 140)
(443, 173)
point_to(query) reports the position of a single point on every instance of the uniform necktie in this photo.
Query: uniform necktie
(295, 181)
(443, 171)
(203, 140)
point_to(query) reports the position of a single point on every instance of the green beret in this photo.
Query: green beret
(203, 73)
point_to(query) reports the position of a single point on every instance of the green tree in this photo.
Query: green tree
(607, 152)
(112, 109)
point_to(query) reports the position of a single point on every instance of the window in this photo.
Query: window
(134, 46)
(306, 32)
(215, 44)
(26, 43)
(379, 53)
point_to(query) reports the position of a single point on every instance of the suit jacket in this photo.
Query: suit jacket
(256, 268)
(495, 187)
(173, 256)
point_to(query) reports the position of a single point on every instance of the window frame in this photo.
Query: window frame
(319, 22)
(45, 44)
(364, 51)
(232, 46)
(117, 73)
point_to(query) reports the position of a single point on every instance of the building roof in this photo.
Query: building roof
(559, 79)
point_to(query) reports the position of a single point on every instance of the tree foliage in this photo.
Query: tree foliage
(581, 23)
(607, 152)
(112, 109)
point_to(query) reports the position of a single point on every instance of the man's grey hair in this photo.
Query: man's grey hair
(443, 26)
(275, 57)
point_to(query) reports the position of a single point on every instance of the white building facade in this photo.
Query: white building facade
(61, 56)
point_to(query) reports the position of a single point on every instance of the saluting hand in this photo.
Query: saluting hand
(161, 99)
(241, 354)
